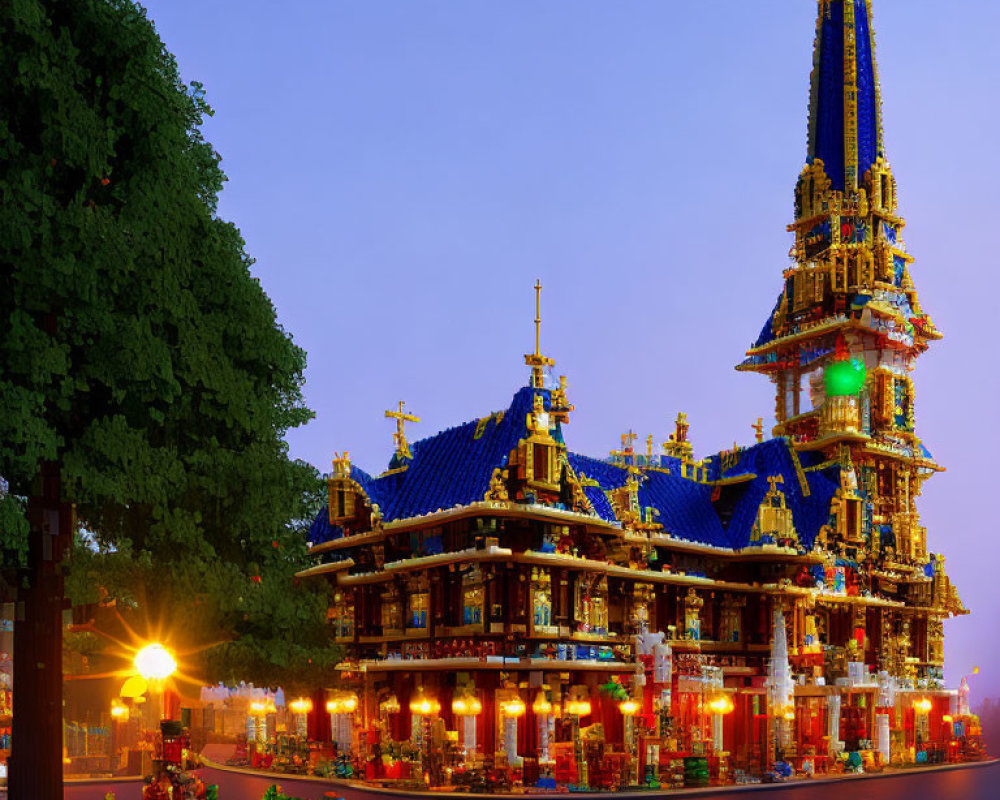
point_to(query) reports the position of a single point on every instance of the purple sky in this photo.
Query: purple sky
(403, 171)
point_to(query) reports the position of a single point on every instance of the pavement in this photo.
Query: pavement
(968, 782)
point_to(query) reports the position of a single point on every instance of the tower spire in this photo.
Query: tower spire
(845, 116)
(536, 360)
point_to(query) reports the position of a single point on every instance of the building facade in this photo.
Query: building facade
(513, 610)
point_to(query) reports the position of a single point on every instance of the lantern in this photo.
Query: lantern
(541, 706)
(629, 708)
(724, 705)
(513, 708)
(578, 708)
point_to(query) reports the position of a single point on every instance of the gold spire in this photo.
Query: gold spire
(758, 429)
(536, 360)
(399, 437)
(678, 445)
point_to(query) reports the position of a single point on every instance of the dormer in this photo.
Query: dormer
(349, 505)
(774, 524)
(539, 454)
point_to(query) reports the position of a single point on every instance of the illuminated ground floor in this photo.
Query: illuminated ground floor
(670, 721)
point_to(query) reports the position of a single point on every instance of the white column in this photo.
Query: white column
(510, 739)
(469, 735)
(543, 737)
(882, 726)
(833, 722)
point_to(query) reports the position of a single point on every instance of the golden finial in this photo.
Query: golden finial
(342, 465)
(627, 440)
(536, 360)
(758, 429)
(649, 448)
(399, 437)
(678, 445)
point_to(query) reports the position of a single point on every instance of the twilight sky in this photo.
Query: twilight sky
(403, 171)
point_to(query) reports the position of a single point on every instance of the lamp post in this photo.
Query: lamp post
(119, 717)
(576, 708)
(542, 709)
(629, 709)
(511, 710)
(467, 707)
(155, 664)
(423, 708)
(921, 719)
(341, 707)
(720, 706)
(258, 710)
(301, 707)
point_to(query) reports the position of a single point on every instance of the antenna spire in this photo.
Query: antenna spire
(536, 360)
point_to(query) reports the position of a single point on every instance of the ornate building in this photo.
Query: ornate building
(513, 609)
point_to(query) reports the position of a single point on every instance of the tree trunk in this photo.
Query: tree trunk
(35, 765)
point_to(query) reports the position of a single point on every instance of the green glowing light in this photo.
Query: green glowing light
(844, 377)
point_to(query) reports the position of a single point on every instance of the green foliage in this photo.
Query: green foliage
(273, 792)
(137, 350)
(13, 532)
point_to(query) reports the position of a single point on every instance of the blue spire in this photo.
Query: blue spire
(845, 118)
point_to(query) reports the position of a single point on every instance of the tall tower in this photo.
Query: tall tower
(845, 332)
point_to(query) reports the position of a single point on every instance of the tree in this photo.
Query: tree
(144, 378)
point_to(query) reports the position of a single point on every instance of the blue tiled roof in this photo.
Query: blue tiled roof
(609, 476)
(322, 531)
(767, 332)
(775, 457)
(685, 508)
(827, 99)
(454, 467)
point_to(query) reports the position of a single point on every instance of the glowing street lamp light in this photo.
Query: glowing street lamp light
(578, 708)
(629, 708)
(301, 707)
(723, 705)
(154, 662)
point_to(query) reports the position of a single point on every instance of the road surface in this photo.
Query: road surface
(978, 782)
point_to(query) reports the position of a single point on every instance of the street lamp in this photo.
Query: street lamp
(467, 707)
(258, 711)
(511, 710)
(720, 706)
(629, 709)
(155, 664)
(542, 710)
(301, 707)
(340, 707)
(578, 707)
